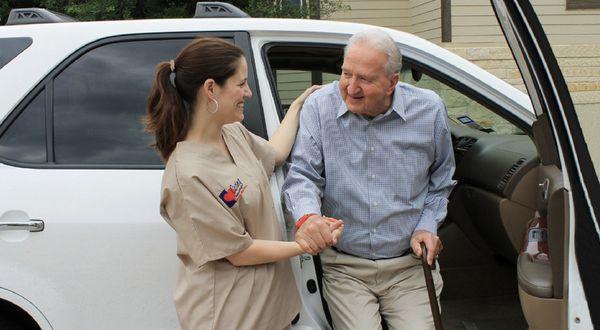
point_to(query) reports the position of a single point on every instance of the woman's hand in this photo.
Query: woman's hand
(299, 101)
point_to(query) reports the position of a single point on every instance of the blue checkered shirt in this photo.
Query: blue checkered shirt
(385, 177)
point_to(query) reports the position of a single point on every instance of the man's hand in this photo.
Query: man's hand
(432, 242)
(318, 233)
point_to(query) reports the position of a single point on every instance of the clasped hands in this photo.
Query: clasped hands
(318, 233)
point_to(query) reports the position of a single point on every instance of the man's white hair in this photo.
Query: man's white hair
(380, 40)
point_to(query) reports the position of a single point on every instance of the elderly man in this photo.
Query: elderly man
(375, 153)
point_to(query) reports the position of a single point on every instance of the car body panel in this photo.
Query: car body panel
(100, 247)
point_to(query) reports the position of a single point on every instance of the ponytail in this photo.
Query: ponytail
(167, 116)
(170, 104)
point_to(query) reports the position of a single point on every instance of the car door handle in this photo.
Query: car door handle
(32, 225)
(543, 188)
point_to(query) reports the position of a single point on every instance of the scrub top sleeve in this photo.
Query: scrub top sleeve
(215, 232)
(261, 148)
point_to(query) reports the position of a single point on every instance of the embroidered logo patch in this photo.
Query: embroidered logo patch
(231, 195)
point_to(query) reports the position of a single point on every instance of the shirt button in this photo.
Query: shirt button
(374, 231)
(372, 149)
(372, 176)
(375, 204)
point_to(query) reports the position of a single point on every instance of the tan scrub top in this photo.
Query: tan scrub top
(217, 207)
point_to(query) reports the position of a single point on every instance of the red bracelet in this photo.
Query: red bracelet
(303, 219)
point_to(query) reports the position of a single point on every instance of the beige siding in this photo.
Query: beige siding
(473, 21)
(388, 13)
(426, 21)
(420, 17)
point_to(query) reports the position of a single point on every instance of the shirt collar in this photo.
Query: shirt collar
(342, 109)
(397, 106)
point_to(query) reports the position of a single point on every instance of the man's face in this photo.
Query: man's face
(364, 85)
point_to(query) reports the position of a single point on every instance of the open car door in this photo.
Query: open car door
(559, 260)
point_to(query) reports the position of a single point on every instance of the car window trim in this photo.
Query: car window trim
(435, 74)
(240, 38)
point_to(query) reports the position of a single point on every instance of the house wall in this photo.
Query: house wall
(426, 19)
(474, 22)
(393, 14)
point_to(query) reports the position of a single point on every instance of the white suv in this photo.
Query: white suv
(82, 244)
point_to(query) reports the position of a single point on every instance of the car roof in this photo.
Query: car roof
(58, 40)
(191, 24)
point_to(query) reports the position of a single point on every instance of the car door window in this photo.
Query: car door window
(25, 139)
(462, 109)
(100, 100)
(296, 66)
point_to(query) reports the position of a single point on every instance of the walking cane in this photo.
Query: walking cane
(435, 308)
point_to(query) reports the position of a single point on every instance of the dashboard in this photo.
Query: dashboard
(496, 190)
(492, 162)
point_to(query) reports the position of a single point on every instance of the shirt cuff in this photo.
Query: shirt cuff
(302, 210)
(427, 224)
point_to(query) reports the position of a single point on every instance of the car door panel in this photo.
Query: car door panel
(581, 193)
(103, 237)
(541, 262)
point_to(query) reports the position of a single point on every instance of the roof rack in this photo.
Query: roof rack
(218, 9)
(35, 16)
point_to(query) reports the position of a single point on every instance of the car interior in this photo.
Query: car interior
(505, 233)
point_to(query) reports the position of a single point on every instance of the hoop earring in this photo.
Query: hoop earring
(216, 107)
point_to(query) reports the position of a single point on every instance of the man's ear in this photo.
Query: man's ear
(393, 81)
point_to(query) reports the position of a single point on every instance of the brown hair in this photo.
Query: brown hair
(170, 103)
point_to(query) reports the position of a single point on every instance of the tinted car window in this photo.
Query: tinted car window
(11, 47)
(100, 99)
(25, 139)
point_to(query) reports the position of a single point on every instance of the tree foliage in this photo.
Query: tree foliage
(98, 10)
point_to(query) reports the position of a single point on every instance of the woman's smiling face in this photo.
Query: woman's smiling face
(232, 94)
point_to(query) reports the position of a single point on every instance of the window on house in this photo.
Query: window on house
(583, 4)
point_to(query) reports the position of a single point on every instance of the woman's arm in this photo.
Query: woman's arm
(284, 137)
(263, 251)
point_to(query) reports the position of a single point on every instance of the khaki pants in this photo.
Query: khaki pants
(360, 291)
